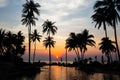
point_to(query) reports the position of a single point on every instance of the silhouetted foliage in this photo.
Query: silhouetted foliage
(49, 27)
(100, 17)
(111, 10)
(49, 42)
(11, 45)
(107, 47)
(29, 10)
(35, 37)
(79, 42)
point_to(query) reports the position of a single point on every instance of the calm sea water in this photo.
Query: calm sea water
(68, 73)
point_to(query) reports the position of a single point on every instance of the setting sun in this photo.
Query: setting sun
(57, 57)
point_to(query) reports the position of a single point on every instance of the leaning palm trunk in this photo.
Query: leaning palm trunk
(34, 52)
(116, 42)
(77, 54)
(82, 55)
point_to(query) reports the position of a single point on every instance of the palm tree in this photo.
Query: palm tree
(49, 27)
(107, 47)
(100, 18)
(2, 37)
(29, 10)
(112, 8)
(85, 40)
(79, 42)
(71, 44)
(35, 37)
(19, 39)
(66, 55)
(49, 42)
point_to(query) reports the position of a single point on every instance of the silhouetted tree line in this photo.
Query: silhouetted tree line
(11, 46)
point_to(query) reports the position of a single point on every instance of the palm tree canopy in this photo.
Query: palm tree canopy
(71, 42)
(35, 36)
(80, 40)
(31, 7)
(49, 42)
(2, 38)
(49, 27)
(84, 40)
(100, 17)
(29, 10)
(107, 45)
(112, 7)
(20, 38)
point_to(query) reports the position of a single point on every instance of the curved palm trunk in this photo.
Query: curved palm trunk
(29, 33)
(83, 55)
(77, 55)
(116, 42)
(34, 52)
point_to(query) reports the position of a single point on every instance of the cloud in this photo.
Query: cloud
(65, 9)
(3, 3)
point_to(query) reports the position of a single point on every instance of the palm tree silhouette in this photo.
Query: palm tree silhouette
(49, 42)
(80, 42)
(112, 11)
(85, 40)
(107, 47)
(2, 37)
(72, 44)
(29, 10)
(49, 27)
(19, 39)
(35, 37)
(9, 42)
(100, 18)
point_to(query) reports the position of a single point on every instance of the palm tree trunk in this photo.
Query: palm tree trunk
(105, 29)
(116, 42)
(34, 52)
(111, 58)
(29, 33)
(77, 55)
(83, 55)
(116, 56)
(66, 56)
(108, 59)
(49, 55)
(49, 51)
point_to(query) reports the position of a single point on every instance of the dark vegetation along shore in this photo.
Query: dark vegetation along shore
(12, 46)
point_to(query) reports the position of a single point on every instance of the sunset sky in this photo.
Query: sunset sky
(69, 15)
